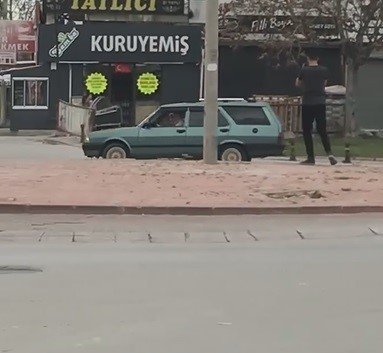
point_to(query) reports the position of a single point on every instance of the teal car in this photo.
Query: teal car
(245, 130)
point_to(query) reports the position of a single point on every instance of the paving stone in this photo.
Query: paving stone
(208, 237)
(167, 237)
(240, 237)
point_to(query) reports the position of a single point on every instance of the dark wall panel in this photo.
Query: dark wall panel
(180, 83)
(370, 96)
(33, 119)
(245, 71)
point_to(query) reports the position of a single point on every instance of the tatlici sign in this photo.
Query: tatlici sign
(169, 7)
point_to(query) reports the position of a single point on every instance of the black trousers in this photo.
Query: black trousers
(317, 113)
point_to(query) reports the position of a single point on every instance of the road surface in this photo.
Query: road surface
(297, 285)
(33, 148)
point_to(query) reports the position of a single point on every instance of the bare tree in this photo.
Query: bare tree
(358, 28)
(22, 9)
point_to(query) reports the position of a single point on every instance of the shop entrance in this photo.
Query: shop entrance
(122, 91)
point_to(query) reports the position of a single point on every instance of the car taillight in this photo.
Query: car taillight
(280, 138)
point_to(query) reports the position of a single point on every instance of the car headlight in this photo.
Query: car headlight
(86, 140)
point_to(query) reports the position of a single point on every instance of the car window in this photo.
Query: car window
(248, 115)
(169, 118)
(197, 116)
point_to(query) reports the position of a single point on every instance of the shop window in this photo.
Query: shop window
(248, 115)
(30, 93)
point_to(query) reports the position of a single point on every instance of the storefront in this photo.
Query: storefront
(136, 66)
(259, 55)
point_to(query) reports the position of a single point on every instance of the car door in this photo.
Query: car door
(164, 136)
(254, 127)
(195, 130)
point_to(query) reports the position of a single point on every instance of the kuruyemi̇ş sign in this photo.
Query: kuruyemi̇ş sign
(148, 83)
(96, 83)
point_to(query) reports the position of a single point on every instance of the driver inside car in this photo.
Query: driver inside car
(170, 120)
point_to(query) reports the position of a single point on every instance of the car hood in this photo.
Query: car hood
(120, 132)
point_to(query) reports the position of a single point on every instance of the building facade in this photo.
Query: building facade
(88, 49)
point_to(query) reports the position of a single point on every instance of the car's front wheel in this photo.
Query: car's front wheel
(233, 153)
(115, 151)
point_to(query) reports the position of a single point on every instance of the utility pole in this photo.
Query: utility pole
(211, 83)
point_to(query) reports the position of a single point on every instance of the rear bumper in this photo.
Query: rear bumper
(91, 150)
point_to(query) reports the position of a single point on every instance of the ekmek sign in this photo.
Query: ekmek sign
(121, 42)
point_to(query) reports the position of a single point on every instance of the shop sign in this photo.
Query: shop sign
(278, 24)
(128, 43)
(16, 37)
(148, 83)
(64, 41)
(141, 7)
(322, 26)
(96, 83)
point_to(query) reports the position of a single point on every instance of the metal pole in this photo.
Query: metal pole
(211, 83)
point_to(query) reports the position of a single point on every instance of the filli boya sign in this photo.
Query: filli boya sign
(277, 24)
(165, 7)
(127, 43)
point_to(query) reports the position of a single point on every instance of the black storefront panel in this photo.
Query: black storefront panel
(245, 71)
(120, 42)
(180, 83)
(77, 80)
(33, 118)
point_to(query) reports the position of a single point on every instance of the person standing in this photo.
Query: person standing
(313, 79)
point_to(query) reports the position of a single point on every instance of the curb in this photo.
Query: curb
(55, 141)
(184, 211)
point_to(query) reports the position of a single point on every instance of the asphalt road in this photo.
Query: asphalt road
(305, 284)
(33, 148)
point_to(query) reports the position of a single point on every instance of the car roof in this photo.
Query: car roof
(220, 104)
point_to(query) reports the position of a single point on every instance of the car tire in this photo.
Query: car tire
(233, 153)
(115, 151)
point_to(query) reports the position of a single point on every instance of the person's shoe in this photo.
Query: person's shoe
(308, 161)
(332, 160)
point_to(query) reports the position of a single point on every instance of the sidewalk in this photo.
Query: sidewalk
(187, 184)
(26, 133)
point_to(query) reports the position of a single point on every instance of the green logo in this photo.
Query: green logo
(64, 41)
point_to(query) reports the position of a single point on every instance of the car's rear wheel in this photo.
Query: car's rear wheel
(115, 151)
(233, 153)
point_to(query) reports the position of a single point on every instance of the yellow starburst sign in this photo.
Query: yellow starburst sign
(148, 83)
(96, 83)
